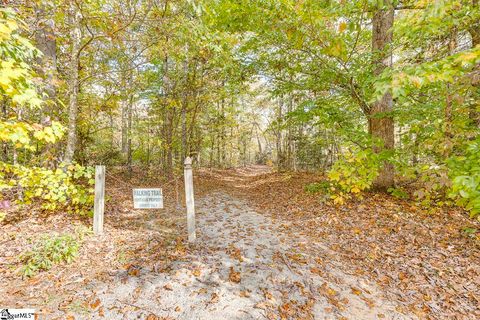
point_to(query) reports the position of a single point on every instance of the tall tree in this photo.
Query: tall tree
(380, 120)
(73, 79)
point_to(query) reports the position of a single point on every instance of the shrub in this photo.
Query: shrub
(465, 175)
(67, 187)
(354, 172)
(398, 193)
(50, 250)
(316, 187)
(434, 184)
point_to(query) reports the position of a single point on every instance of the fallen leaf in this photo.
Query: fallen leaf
(330, 291)
(356, 291)
(244, 294)
(197, 272)
(316, 270)
(369, 302)
(261, 305)
(269, 296)
(234, 276)
(214, 298)
(95, 304)
(235, 253)
(286, 309)
(134, 272)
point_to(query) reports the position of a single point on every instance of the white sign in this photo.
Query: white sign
(148, 198)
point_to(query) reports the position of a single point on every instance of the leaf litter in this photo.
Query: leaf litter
(265, 249)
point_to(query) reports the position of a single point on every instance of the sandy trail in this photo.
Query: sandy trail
(243, 266)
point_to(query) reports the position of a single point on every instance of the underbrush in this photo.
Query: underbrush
(69, 187)
(441, 182)
(50, 249)
(317, 187)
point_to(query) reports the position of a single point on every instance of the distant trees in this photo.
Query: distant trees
(395, 78)
(387, 88)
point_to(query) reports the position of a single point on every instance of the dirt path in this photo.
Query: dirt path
(265, 250)
(244, 266)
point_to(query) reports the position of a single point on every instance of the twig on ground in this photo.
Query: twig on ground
(135, 306)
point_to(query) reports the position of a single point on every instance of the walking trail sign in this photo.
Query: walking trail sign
(148, 198)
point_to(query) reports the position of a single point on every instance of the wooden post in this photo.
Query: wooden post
(190, 202)
(99, 205)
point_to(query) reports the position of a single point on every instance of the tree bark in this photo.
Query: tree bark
(129, 133)
(449, 102)
(73, 83)
(475, 34)
(380, 122)
(124, 129)
(185, 151)
(223, 133)
(4, 118)
(279, 138)
(169, 119)
(475, 29)
(46, 42)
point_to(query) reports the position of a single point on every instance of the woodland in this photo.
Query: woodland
(337, 141)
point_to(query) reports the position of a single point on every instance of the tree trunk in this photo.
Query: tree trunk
(4, 118)
(46, 42)
(449, 103)
(169, 142)
(47, 67)
(223, 132)
(380, 122)
(475, 30)
(280, 155)
(185, 151)
(129, 133)
(289, 141)
(73, 83)
(124, 124)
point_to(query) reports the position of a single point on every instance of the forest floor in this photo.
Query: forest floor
(265, 250)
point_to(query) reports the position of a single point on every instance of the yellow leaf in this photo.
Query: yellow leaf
(355, 190)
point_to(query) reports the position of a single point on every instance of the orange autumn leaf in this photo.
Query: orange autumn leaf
(234, 276)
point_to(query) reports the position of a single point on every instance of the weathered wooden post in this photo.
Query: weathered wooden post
(190, 202)
(99, 205)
